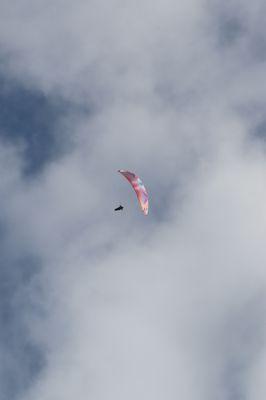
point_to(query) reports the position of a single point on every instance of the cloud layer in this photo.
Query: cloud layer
(121, 306)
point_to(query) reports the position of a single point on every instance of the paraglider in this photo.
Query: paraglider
(119, 208)
(139, 189)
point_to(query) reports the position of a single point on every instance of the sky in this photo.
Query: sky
(96, 304)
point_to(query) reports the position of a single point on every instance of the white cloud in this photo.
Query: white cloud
(170, 305)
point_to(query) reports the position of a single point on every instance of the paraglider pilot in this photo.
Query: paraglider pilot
(119, 208)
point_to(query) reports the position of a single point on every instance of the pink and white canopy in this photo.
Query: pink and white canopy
(139, 188)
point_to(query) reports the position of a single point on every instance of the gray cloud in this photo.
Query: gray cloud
(118, 305)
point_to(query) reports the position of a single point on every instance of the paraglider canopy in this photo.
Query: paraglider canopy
(139, 188)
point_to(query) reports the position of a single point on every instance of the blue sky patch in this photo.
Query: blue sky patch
(30, 119)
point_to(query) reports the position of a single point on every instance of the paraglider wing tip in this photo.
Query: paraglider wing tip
(145, 209)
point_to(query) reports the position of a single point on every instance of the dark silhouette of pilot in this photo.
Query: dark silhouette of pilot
(119, 208)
